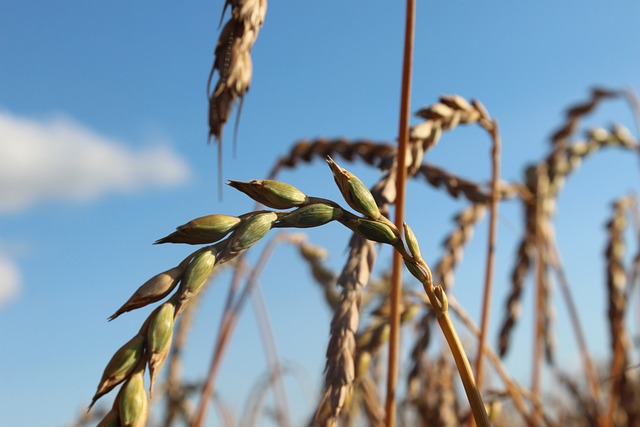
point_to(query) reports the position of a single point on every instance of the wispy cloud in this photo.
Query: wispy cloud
(60, 159)
(10, 281)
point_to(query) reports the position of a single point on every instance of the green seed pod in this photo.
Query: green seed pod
(376, 231)
(159, 337)
(154, 289)
(274, 194)
(110, 420)
(133, 405)
(412, 242)
(252, 229)
(313, 215)
(199, 270)
(355, 193)
(415, 271)
(120, 366)
(195, 277)
(203, 230)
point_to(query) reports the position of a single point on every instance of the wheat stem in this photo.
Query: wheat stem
(271, 353)
(401, 179)
(493, 231)
(440, 305)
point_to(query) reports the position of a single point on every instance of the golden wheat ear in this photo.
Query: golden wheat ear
(232, 61)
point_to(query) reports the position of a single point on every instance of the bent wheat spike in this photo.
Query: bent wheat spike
(350, 351)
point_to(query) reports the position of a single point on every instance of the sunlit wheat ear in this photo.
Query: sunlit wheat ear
(371, 152)
(233, 64)
(233, 60)
(447, 114)
(458, 186)
(577, 111)
(617, 299)
(566, 159)
(341, 351)
(563, 160)
(524, 259)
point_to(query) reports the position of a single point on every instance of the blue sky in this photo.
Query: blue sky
(103, 150)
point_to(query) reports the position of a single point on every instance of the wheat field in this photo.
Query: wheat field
(442, 268)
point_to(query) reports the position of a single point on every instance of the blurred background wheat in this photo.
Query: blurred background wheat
(105, 116)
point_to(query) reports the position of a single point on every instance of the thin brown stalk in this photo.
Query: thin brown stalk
(401, 179)
(224, 412)
(493, 231)
(226, 327)
(588, 365)
(219, 346)
(271, 353)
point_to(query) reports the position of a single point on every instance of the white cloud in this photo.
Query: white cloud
(59, 159)
(10, 281)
